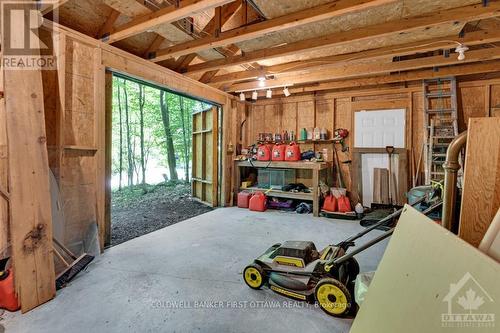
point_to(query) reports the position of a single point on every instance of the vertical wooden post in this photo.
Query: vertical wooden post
(108, 158)
(4, 176)
(30, 207)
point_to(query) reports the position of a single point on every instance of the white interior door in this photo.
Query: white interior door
(378, 129)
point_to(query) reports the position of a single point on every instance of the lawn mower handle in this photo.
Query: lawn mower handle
(380, 237)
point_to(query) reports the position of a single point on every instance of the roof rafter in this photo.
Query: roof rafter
(473, 38)
(466, 13)
(362, 68)
(315, 14)
(168, 14)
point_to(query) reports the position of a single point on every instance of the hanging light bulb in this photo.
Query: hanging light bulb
(255, 95)
(269, 93)
(286, 92)
(242, 97)
(461, 49)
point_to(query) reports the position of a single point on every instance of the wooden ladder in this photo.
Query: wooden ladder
(440, 124)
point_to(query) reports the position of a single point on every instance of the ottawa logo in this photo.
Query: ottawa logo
(469, 305)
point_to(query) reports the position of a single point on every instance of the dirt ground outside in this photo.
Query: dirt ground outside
(139, 210)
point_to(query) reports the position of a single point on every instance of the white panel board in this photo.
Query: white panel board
(381, 128)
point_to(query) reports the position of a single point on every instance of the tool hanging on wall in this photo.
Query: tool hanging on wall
(390, 151)
(340, 136)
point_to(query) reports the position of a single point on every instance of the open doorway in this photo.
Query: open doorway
(152, 158)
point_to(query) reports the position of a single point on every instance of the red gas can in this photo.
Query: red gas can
(330, 204)
(258, 202)
(344, 204)
(8, 299)
(278, 152)
(244, 199)
(292, 152)
(264, 153)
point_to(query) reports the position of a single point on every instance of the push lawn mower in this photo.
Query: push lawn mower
(297, 270)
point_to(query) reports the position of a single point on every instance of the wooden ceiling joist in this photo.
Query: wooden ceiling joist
(315, 14)
(165, 15)
(227, 11)
(49, 7)
(110, 22)
(392, 28)
(371, 68)
(474, 38)
(461, 70)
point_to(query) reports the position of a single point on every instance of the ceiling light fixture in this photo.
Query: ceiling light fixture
(461, 49)
(269, 93)
(243, 97)
(255, 95)
(286, 92)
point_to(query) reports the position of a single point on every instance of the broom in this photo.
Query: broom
(72, 269)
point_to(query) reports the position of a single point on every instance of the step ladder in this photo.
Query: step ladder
(440, 124)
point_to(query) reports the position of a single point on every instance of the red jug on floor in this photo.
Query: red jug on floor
(263, 153)
(244, 199)
(258, 202)
(344, 204)
(279, 152)
(8, 299)
(292, 152)
(330, 203)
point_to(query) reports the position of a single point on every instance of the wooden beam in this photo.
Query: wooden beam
(155, 45)
(473, 38)
(4, 175)
(358, 68)
(461, 70)
(302, 17)
(110, 22)
(47, 8)
(165, 15)
(391, 28)
(30, 208)
(228, 11)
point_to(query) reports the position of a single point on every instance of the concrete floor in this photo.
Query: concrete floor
(158, 282)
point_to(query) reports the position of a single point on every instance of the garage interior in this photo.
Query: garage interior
(360, 137)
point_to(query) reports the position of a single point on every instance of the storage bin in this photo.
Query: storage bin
(275, 178)
(263, 178)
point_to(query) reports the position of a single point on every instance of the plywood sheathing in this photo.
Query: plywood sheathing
(351, 21)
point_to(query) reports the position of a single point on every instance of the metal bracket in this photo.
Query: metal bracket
(105, 37)
(486, 3)
(151, 55)
(446, 53)
(435, 69)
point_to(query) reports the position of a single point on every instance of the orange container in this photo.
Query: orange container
(244, 199)
(344, 204)
(278, 152)
(258, 202)
(264, 153)
(292, 152)
(8, 299)
(330, 204)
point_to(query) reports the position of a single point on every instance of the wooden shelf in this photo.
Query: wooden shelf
(285, 165)
(85, 148)
(282, 194)
(298, 141)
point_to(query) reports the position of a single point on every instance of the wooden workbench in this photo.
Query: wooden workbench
(316, 167)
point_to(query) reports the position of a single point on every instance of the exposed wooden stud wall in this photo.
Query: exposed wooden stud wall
(336, 109)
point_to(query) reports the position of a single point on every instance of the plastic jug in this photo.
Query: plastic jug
(292, 152)
(330, 203)
(8, 299)
(263, 153)
(344, 204)
(278, 152)
(258, 202)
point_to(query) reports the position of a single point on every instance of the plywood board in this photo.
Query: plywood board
(415, 290)
(481, 188)
(471, 100)
(4, 175)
